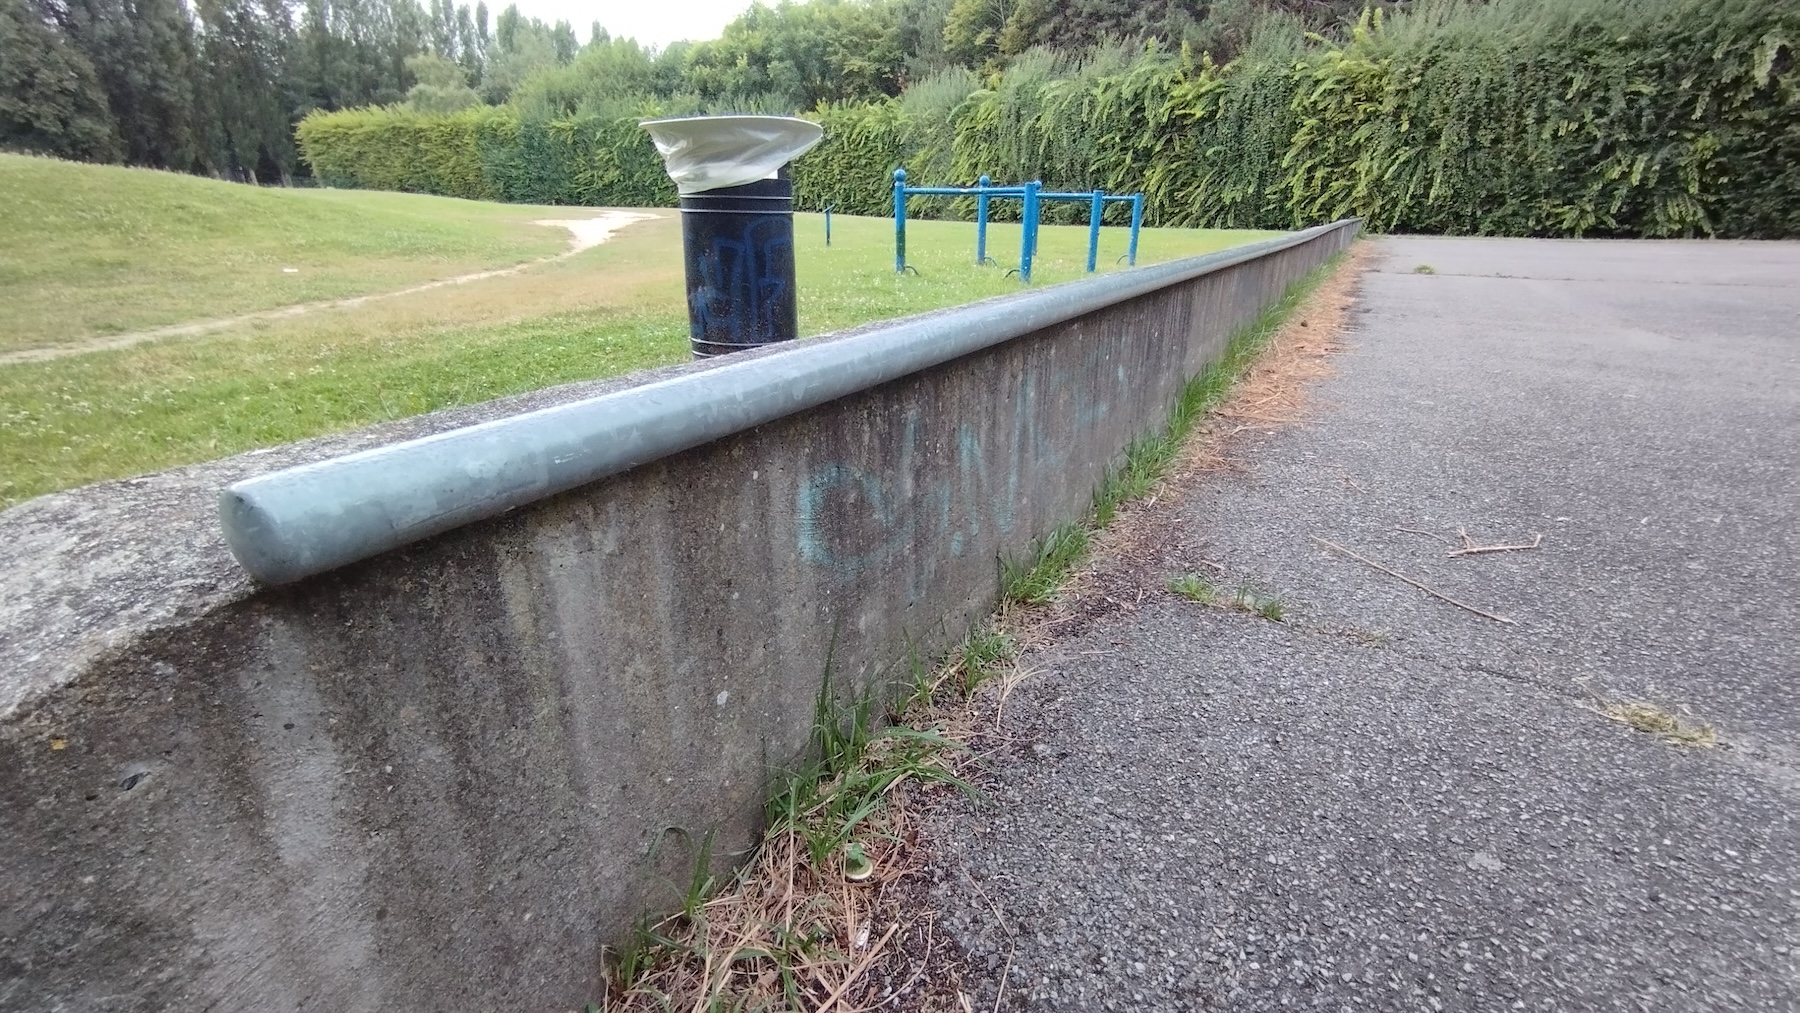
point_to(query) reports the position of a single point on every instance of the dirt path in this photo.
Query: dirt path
(585, 233)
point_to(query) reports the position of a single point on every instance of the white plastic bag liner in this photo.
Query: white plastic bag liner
(712, 152)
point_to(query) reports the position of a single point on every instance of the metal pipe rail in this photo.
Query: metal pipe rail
(967, 191)
(291, 524)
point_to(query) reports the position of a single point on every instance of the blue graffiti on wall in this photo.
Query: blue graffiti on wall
(852, 520)
(741, 295)
(914, 509)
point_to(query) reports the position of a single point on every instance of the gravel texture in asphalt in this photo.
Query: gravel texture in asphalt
(1384, 802)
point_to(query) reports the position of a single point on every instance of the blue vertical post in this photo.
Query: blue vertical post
(1028, 241)
(899, 221)
(981, 213)
(1095, 211)
(828, 225)
(1137, 221)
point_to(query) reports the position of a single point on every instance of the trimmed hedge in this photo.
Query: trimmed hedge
(852, 169)
(487, 153)
(396, 149)
(1532, 117)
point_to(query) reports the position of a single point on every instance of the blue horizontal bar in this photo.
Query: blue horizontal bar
(1075, 196)
(1006, 191)
(1014, 192)
(946, 191)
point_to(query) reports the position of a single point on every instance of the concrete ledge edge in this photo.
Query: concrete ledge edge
(290, 524)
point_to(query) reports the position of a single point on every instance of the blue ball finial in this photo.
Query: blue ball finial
(900, 176)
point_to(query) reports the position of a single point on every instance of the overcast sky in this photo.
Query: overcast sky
(652, 22)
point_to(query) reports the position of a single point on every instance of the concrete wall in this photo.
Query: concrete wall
(435, 779)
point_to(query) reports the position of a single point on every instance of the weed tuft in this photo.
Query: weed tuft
(792, 930)
(700, 882)
(1424, 269)
(1194, 588)
(986, 654)
(1054, 559)
(1271, 608)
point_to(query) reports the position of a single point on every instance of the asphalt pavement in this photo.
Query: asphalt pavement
(1386, 802)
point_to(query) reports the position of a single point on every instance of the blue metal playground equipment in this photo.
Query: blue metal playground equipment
(1033, 195)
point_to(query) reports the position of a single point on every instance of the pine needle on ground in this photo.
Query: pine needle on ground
(1131, 559)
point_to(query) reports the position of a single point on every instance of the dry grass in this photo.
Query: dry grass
(1652, 719)
(801, 928)
(790, 935)
(792, 932)
(1132, 558)
(1275, 390)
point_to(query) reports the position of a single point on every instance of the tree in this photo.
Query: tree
(472, 31)
(441, 16)
(611, 77)
(353, 52)
(563, 42)
(795, 56)
(1219, 26)
(972, 30)
(523, 47)
(441, 88)
(51, 100)
(143, 52)
(245, 48)
(918, 33)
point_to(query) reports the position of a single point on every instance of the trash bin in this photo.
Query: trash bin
(737, 224)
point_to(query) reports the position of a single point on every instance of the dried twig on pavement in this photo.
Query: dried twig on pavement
(1401, 576)
(1470, 548)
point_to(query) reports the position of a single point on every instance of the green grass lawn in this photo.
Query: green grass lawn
(609, 310)
(90, 250)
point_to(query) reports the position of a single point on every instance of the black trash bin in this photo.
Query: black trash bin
(737, 224)
(739, 246)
